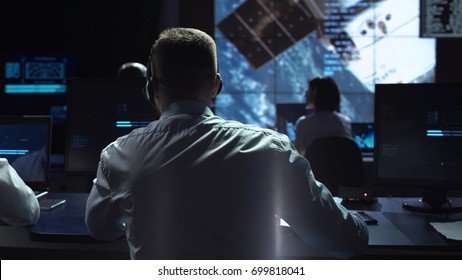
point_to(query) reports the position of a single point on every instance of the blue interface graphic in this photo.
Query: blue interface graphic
(26, 73)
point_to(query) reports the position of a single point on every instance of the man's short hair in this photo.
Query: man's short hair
(183, 61)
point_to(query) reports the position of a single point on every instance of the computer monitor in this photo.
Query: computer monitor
(440, 19)
(100, 111)
(268, 49)
(25, 142)
(418, 140)
(363, 134)
(35, 83)
(287, 115)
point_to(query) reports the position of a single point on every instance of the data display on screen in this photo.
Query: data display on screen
(35, 72)
(35, 82)
(267, 51)
(419, 133)
(100, 111)
(441, 18)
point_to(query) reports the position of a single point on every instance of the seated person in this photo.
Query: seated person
(192, 185)
(18, 204)
(326, 119)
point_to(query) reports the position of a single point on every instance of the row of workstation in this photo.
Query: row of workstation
(61, 234)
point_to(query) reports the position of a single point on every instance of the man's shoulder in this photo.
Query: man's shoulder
(121, 140)
(226, 128)
(251, 128)
(255, 133)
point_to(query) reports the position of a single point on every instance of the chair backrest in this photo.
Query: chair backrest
(336, 162)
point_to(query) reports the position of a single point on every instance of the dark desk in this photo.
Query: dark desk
(61, 234)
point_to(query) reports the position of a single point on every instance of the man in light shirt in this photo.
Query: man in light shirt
(192, 185)
(18, 204)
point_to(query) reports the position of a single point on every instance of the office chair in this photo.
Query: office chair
(336, 162)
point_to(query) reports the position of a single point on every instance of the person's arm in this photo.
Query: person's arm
(18, 204)
(309, 208)
(102, 215)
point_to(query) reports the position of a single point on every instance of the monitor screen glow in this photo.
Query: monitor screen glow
(418, 138)
(268, 49)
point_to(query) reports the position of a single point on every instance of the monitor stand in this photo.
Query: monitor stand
(433, 201)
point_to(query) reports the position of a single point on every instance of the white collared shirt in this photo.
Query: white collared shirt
(192, 185)
(18, 204)
(320, 124)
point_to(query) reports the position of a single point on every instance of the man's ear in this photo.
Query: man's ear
(218, 85)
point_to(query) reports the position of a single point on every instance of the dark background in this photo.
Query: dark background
(105, 35)
(102, 36)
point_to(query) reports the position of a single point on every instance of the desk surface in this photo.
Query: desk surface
(398, 233)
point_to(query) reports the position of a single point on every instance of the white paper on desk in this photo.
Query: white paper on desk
(452, 230)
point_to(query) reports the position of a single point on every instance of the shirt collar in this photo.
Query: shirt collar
(186, 107)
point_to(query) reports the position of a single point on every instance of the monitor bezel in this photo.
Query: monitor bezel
(407, 182)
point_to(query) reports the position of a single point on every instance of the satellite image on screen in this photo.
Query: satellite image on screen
(268, 49)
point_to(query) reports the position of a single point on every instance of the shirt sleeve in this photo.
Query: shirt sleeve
(18, 204)
(311, 211)
(102, 216)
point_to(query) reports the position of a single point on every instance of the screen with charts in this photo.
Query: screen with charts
(100, 111)
(35, 82)
(268, 49)
(25, 143)
(418, 136)
(441, 18)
